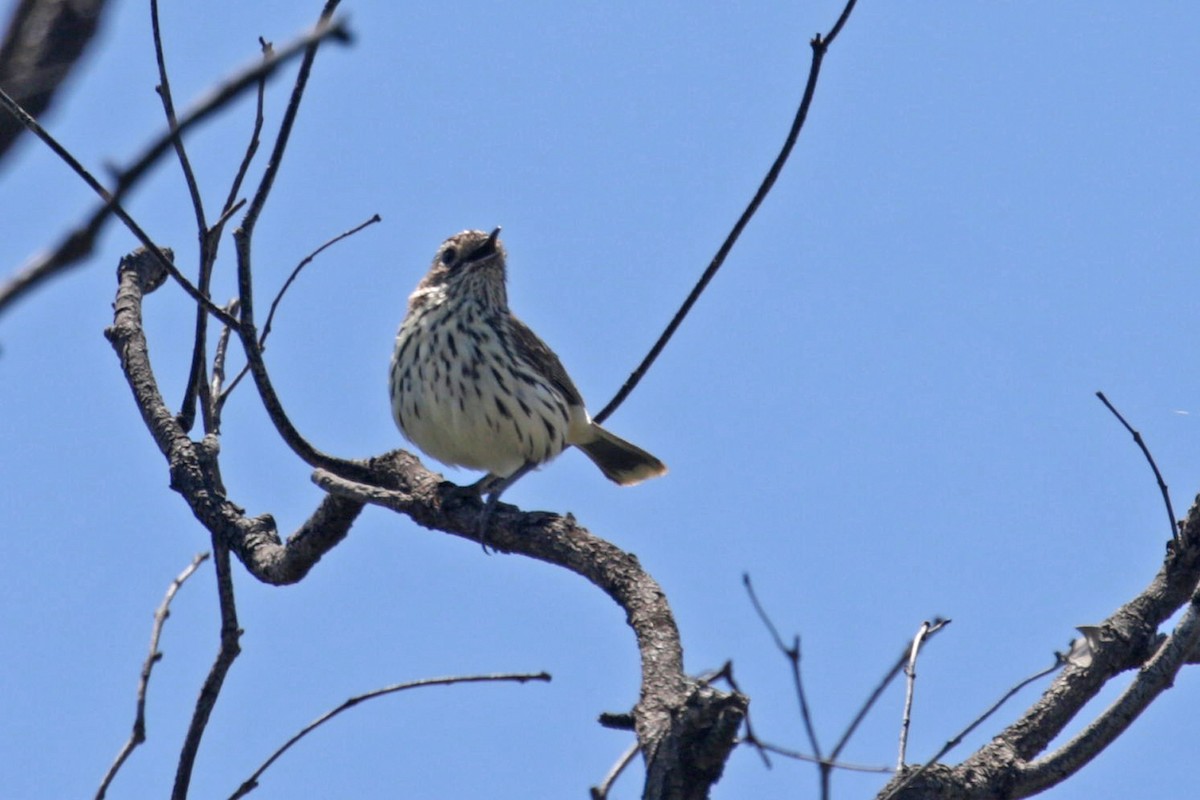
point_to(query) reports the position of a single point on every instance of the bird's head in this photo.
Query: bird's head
(468, 264)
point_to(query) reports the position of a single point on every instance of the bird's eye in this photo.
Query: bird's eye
(448, 255)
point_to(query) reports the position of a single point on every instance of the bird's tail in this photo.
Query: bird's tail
(620, 461)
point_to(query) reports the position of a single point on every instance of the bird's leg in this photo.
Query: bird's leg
(483, 485)
(494, 486)
(472, 491)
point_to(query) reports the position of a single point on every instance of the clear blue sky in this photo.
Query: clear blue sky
(882, 409)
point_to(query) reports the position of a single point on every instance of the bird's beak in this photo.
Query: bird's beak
(487, 249)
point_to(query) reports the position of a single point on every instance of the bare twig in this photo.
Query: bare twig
(218, 369)
(897, 667)
(289, 119)
(600, 792)
(246, 329)
(252, 782)
(793, 656)
(215, 393)
(268, 54)
(262, 340)
(798, 756)
(910, 672)
(139, 720)
(211, 690)
(1162, 486)
(827, 764)
(819, 47)
(164, 93)
(196, 377)
(210, 238)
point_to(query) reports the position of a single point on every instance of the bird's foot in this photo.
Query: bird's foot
(492, 486)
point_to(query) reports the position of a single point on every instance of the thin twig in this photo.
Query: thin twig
(139, 720)
(268, 53)
(792, 654)
(196, 377)
(252, 782)
(164, 93)
(601, 792)
(910, 671)
(798, 756)
(218, 372)
(210, 240)
(246, 329)
(228, 213)
(289, 119)
(819, 48)
(1162, 486)
(211, 690)
(897, 667)
(262, 339)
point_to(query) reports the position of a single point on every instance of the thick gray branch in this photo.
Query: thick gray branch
(686, 728)
(193, 466)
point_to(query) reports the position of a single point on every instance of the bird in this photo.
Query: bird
(472, 386)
